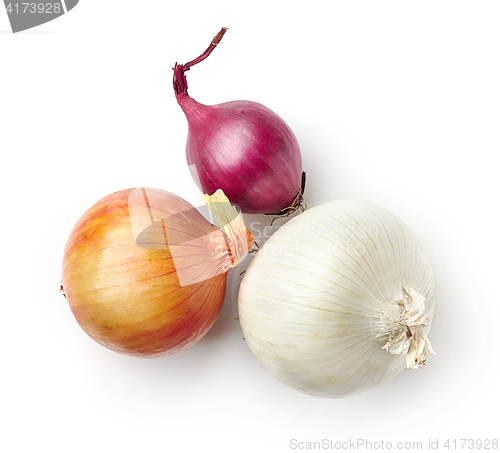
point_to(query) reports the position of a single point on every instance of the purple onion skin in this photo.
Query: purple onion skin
(246, 150)
(243, 148)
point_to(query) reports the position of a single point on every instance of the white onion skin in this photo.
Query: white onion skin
(129, 298)
(310, 305)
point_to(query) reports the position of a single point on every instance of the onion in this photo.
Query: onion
(243, 148)
(145, 274)
(338, 300)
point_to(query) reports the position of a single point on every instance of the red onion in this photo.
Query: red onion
(145, 274)
(243, 148)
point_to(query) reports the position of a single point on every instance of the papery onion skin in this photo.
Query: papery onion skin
(129, 298)
(242, 147)
(313, 303)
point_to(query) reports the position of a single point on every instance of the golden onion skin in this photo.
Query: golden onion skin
(129, 298)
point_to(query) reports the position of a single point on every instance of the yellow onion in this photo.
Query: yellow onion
(145, 273)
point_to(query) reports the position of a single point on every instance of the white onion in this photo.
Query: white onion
(340, 299)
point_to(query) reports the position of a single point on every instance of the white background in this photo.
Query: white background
(396, 103)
